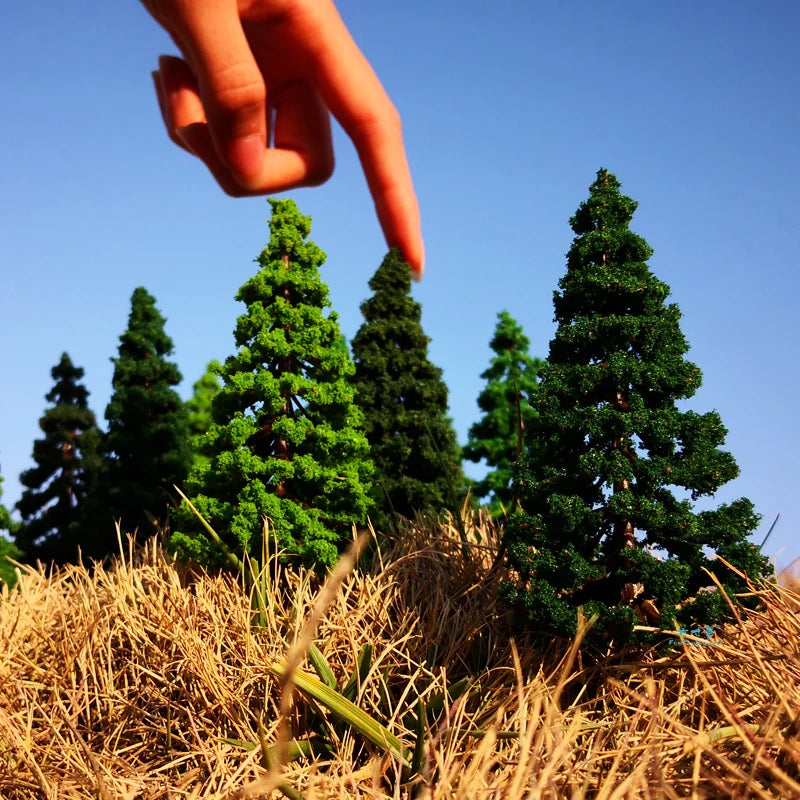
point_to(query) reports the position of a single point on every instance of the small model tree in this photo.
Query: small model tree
(7, 548)
(67, 465)
(608, 525)
(404, 400)
(6, 523)
(287, 446)
(500, 437)
(147, 444)
(198, 409)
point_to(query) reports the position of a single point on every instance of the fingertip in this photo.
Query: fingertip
(418, 272)
(398, 214)
(412, 245)
(416, 261)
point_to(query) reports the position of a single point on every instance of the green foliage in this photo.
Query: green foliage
(287, 443)
(404, 401)
(147, 444)
(6, 524)
(67, 465)
(199, 414)
(7, 549)
(500, 437)
(609, 523)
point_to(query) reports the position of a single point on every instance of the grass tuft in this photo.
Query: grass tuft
(144, 679)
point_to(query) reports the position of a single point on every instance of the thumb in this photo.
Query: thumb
(230, 84)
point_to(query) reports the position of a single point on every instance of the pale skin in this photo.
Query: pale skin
(253, 94)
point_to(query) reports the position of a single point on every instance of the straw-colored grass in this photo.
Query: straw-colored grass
(144, 679)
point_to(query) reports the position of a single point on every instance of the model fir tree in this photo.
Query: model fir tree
(501, 436)
(8, 550)
(287, 448)
(609, 521)
(6, 523)
(147, 443)
(67, 466)
(404, 400)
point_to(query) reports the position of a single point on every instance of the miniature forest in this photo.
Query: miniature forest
(287, 586)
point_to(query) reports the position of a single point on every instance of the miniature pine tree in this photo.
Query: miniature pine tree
(404, 400)
(287, 444)
(500, 437)
(147, 443)
(67, 466)
(7, 548)
(608, 525)
(6, 523)
(198, 409)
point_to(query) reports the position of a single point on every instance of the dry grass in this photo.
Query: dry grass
(144, 680)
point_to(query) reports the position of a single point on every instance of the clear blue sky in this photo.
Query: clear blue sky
(509, 110)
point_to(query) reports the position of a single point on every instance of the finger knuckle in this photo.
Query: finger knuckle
(381, 120)
(235, 89)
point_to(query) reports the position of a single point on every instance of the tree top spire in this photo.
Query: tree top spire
(288, 227)
(606, 207)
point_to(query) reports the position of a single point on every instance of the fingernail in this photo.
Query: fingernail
(156, 76)
(184, 135)
(246, 155)
(417, 273)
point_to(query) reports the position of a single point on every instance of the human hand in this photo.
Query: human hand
(251, 97)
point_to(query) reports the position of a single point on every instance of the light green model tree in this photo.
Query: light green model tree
(501, 436)
(199, 411)
(287, 444)
(7, 548)
(6, 524)
(609, 523)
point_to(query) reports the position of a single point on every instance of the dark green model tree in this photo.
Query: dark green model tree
(500, 437)
(609, 524)
(198, 409)
(404, 400)
(147, 444)
(287, 443)
(67, 466)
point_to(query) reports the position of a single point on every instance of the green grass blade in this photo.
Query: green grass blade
(359, 676)
(295, 751)
(383, 691)
(436, 703)
(321, 666)
(230, 556)
(257, 577)
(418, 758)
(289, 792)
(346, 711)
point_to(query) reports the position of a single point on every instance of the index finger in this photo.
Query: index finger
(355, 96)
